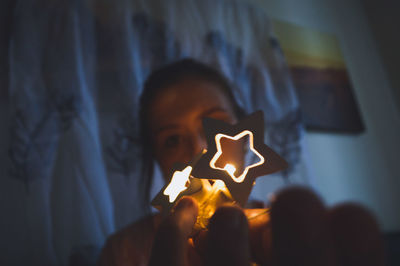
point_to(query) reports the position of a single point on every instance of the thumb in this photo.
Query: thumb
(170, 242)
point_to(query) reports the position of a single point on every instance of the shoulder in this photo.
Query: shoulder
(132, 244)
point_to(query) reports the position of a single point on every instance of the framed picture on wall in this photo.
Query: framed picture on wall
(321, 79)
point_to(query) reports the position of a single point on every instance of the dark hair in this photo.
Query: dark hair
(164, 77)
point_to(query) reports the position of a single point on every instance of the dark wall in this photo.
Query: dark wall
(384, 19)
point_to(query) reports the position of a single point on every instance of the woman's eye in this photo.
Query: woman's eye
(172, 141)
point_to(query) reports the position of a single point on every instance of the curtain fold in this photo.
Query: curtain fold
(76, 69)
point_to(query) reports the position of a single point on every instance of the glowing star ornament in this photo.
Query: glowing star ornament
(178, 183)
(181, 184)
(230, 168)
(223, 162)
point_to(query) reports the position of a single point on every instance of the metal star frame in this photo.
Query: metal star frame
(268, 163)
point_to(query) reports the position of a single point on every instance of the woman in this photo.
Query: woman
(175, 100)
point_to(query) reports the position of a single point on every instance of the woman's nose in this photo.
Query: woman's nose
(198, 143)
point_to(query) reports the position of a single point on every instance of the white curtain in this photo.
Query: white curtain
(74, 73)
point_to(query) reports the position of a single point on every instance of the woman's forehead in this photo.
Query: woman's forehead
(187, 99)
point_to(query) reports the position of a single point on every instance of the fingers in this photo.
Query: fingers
(227, 239)
(356, 236)
(170, 242)
(300, 232)
(304, 232)
(259, 235)
(185, 215)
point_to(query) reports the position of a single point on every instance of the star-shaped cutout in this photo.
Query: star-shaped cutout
(239, 186)
(230, 167)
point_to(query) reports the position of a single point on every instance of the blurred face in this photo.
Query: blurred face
(176, 116)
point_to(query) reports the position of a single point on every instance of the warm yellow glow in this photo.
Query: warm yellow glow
(218, 184)
(178, 183)
(229, 168)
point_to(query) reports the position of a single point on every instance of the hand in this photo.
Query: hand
(227, 234)
(299, 231)
(170, 246)
(302, 231)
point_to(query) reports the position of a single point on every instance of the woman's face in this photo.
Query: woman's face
(176, 116)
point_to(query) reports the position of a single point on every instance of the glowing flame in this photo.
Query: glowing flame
(178, 183)
(229, 168)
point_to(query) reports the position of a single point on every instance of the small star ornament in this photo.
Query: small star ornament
(224, 158)
(178, 184)
(181, 184)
